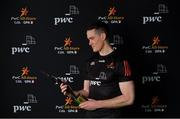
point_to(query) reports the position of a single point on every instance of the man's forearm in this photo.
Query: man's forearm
(85, 91)
(82, 93)
(116, 102)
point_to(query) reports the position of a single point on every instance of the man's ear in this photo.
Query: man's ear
(103, 36)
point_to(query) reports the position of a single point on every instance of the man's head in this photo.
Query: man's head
(97, 34)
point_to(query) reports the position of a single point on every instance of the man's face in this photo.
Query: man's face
(96, 41)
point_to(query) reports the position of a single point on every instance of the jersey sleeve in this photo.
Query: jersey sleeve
(124, 71)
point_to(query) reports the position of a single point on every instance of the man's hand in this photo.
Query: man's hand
(63, 88)
(91, 104)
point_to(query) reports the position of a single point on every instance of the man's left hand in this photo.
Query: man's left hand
(91, 104)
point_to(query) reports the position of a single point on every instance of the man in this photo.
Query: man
(108, 85)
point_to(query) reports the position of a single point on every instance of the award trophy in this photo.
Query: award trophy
(69, 92)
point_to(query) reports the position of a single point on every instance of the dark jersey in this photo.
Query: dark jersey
(104, 74)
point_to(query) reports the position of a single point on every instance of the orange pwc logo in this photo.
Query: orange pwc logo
(155, 100)
(24, 12)
(67, 42)
(112, 11)
(68, 101)
(25, 71)
(155, 41)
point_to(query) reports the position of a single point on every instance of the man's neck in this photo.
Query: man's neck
(107, 49)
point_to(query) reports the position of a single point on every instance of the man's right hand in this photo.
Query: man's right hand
(63, 88)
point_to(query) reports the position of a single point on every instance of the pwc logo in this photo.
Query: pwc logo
(156, 17)
(71, 105)
(20, 50)
(155, 100)
(25, 47)
(25, 74)
(24, 17)
(25, 71)
(68, 18)
(160, 70)
(95, 83)
(111, 16)
(25, 77)
(27, 105)
(63, 20)
(155, 41)
(155, 105)
(67, 42)
(67, 48)
(68, 101)
(155, 47)
(24, 12)
(112, 11)
(152, 78)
